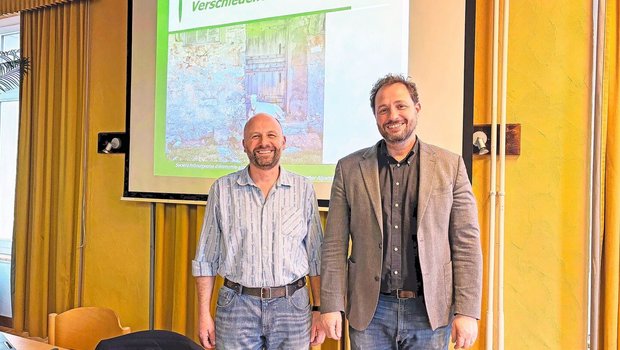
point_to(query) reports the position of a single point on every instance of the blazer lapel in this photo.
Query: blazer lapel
(427, 169)
(370, 174)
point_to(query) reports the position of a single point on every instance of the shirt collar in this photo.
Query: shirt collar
(245, 180)
(383, 152)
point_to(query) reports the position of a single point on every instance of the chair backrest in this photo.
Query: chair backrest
(83, 327)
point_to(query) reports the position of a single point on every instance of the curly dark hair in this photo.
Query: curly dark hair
(390, 79)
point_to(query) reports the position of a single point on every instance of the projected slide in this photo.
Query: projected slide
(310, 64)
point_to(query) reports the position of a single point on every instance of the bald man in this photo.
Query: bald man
(262, 234)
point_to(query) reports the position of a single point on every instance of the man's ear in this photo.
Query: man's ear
(243, 145)
(283, 142)
(418, 107)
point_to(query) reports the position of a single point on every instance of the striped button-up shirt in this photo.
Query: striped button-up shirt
(258, 241)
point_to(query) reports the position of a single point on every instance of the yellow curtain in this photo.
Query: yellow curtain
(49, 167)
(610, 193)
(177, 231)
(12, 6)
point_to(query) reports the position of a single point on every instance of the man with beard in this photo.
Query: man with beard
(413, 279)
(262, 234)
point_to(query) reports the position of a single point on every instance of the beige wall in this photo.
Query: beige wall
(545, 261)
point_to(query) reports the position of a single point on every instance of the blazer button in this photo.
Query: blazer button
(377, 278)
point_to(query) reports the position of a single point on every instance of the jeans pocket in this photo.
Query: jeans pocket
(225, 297)
(300, 299)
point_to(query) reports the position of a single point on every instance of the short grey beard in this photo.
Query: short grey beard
(274, 162)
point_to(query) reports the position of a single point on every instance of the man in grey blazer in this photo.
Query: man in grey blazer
(413, 279)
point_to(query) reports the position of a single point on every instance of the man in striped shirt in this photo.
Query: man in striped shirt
(262, 233)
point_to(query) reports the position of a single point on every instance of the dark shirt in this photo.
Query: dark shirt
(398, 182)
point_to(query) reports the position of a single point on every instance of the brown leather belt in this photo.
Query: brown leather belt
(267, 292)
(402, 294)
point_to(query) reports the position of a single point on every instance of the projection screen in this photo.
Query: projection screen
(198, 69)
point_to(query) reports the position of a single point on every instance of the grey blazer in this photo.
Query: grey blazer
(448, 238)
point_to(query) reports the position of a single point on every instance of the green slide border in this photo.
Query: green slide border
(162, 166)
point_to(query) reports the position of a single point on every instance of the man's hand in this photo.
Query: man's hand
(332, 324)
(464, 331)
(206, 326)
(317, 334)
(206, 332)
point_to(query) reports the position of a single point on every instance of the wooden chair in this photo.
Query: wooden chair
(82, 328)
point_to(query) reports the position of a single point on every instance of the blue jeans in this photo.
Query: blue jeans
(250, 323)
(400, 324)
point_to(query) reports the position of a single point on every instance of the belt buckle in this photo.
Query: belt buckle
(262, 292)
(398, 294)
(406, 294)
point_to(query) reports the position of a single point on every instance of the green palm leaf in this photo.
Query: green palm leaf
(12, 69)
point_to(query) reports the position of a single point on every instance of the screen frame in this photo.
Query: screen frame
(468, 110)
